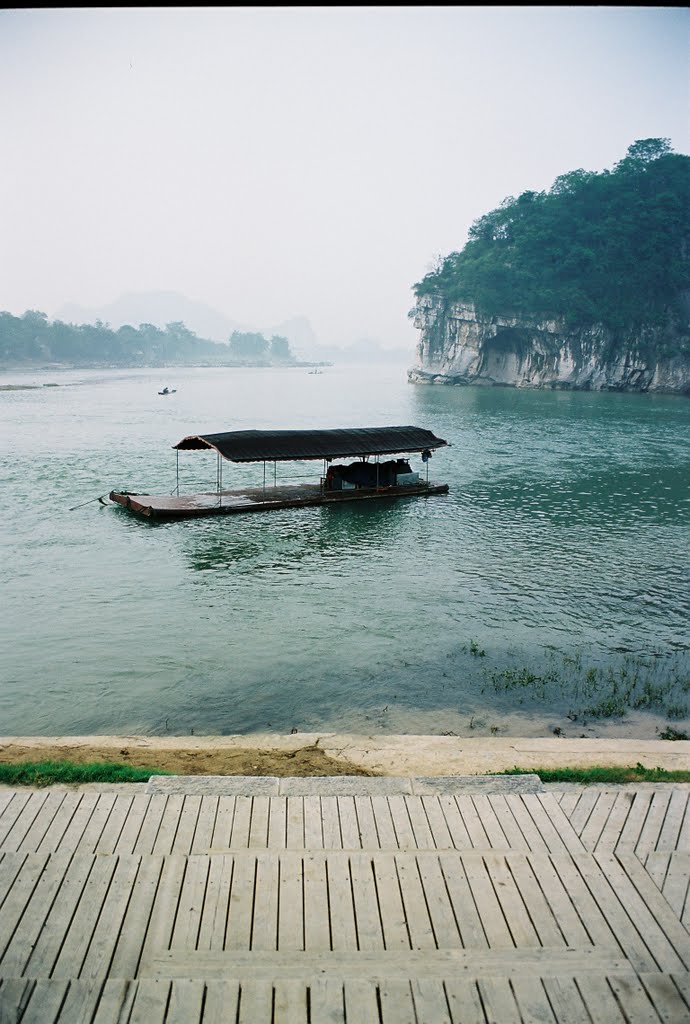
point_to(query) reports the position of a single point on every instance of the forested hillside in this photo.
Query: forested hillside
(611, 248)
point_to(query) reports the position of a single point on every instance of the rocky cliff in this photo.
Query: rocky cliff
(458, 347)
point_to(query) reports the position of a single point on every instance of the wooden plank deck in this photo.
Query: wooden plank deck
(308, 901)
(258, 499)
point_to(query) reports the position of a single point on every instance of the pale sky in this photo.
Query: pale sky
(304, 161)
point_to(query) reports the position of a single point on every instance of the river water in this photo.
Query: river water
(547, 591)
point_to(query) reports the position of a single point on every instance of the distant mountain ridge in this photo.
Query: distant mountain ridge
(164, 307)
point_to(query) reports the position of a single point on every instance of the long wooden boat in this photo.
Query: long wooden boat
(368, 477)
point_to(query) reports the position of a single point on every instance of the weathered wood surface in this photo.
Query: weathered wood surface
(364, 906)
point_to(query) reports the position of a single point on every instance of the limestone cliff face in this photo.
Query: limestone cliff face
(458, 347)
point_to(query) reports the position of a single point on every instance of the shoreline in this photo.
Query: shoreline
(330, 754)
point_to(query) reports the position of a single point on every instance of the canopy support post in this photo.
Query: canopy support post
(177, 472)
(264, 480)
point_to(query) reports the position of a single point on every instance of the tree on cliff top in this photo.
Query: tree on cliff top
(610, 248)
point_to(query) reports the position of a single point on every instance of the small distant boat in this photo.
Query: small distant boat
(315, 370)
(167, 391)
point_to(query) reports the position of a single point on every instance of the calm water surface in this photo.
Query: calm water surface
(549, 584)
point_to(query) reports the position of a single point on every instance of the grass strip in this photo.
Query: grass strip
(591, 776)
(51, 773)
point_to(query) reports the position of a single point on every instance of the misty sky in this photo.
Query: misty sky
(275, 162)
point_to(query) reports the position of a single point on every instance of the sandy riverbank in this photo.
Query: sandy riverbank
(312, 754)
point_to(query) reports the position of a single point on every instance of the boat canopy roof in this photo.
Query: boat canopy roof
(289, 445)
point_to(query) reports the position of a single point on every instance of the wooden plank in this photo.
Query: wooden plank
(633, 999)
(241, 822)
(328, 1001)
(565, 1000)
(656, 866)
(445, 927)
(341, 909)
(585, 805)
(238, 933)
(10, 866)
(258, 826)
(18, 819)
(349, 828)
(62, 947)
(24, 918)
(116, 1001)
(221, 1002)
(552, 824)
(71, 837)
(291, 902)
(600, 1001)
(424, 839)
(15, 994)
(190, 905)
(150, 1001)
(541, 914)
(290, 1002)
(94, 936)
(493, 921)
(654, 821)
(25, 883)
(499, 1002)
(430, 1003)
(396, 935)
(684, 834)
(533, 1001)
(91, 833)
(127, 950)
(416, 911)
(676, 882)
(384, 823)
(565, 912)
(397, 1006)
(330, 823)
(81, 1001)
(598, 930)
(367, 917)
(205, 824)
(6, 797)
(665, 997)
(366, 823)
(186, 827)
(265, 918)
(665, 936)
(441, 838)
(490, 822)
(256, 1002)
(148, 833)
(612, 830)
(682, 983)
(533, 838)
(670, 830)
(162, 919)
(127, 840)
(186, 1002)
(635, 821)
(464, 1002)
(214, 918)
(472, 934)
(313, 828)
(511, 830)
(512, 906)
(108, 839)
(456, 826)
(361, 1002)
(596, 822)
(472, 822)
(41, 823)
(568, 801)
(404, 833)
(46, 1000)
(60, 823)
(636, 950)
(222, 829)
(317, 933)
(294, 823)
(165, 834)
(277, 823)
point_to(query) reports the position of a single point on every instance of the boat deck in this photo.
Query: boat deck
(345, 901)
(258, 499)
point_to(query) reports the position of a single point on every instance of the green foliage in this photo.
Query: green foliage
(50, 773)
(610, 248)
(602, 775)
(32, 338)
